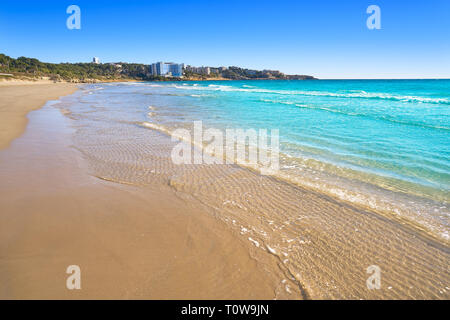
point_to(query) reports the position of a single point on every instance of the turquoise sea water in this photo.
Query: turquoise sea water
(380, 143)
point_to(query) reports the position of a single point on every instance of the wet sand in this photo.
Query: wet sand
(78, 190)
(130, 243)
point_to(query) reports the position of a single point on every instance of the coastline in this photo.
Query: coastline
(130, 242)
(390, 193)
(138, 229)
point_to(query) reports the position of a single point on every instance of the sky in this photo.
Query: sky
(328, 39)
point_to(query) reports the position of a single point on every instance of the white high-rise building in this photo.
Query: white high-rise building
(96, 60)
(167, 69)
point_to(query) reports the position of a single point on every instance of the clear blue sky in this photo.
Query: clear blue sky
(324, 38)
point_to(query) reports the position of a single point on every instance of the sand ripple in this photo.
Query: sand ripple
(317, 246)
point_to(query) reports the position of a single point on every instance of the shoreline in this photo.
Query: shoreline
(18, 98)
(130, 242)
(407, 223)
(322, 244)
(323, 249)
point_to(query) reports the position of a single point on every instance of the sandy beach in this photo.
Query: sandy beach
(20, 97)
(130, 243)
(106, 197)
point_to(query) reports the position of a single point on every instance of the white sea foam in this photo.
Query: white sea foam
(198, 95)
(155, 127)
(358, 94)
(256, 243)
(346, 192)
(271, 250)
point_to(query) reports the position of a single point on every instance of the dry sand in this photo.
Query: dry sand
(17, 98)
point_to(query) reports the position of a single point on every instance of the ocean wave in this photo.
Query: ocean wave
(155, 126)
(371, 196)
(199, 95)
(356, 114)
(358, 94)
(381, 96)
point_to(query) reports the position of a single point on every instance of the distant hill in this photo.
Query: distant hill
(92, 72)
(237, 73)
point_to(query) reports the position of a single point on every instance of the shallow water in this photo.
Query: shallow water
(321, 244)
(384, 144)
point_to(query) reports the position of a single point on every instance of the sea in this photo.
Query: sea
(379, 144)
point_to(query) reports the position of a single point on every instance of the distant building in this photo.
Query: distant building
(167, 69)
(117, 65)
(199, 70)
(114, 64)
(96, 60)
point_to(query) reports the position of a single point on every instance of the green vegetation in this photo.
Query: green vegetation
(87, 72)
(73, 71)
(237, 73)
